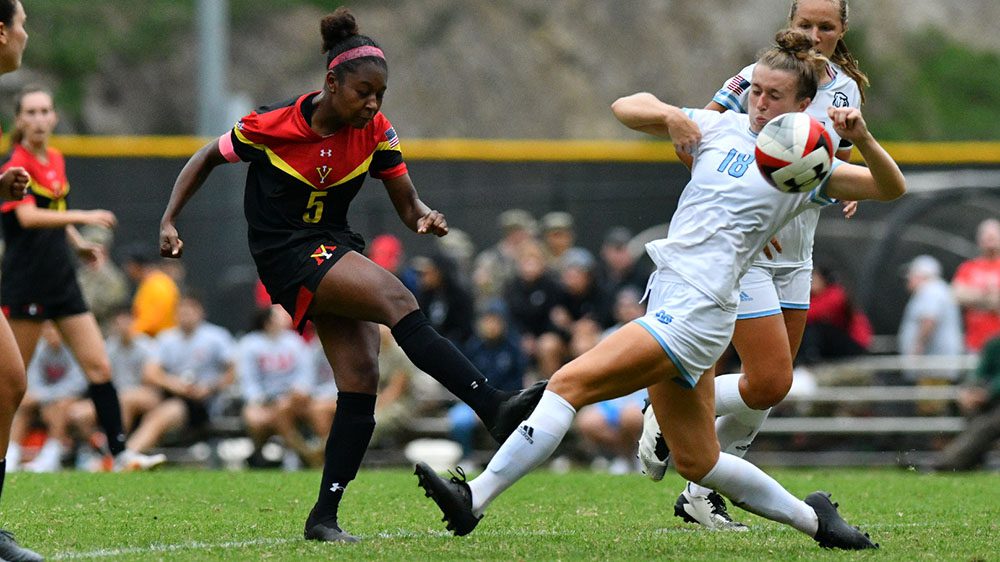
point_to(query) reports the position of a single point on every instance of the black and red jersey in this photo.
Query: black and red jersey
(37, 257)
(300, 184)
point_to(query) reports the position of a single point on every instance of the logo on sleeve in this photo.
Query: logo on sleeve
(390, 135)
(840, 100)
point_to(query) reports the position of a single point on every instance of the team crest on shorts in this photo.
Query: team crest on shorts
(322, 253)
(663, 317)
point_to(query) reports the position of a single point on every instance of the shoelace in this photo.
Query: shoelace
(719, 506)
(461, 473)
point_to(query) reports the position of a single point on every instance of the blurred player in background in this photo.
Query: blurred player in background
(726, 214)
(774, 293)
(39, 280)
(13, 184)
(308, 159)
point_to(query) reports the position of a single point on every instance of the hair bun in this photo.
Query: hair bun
(793, 41)
(337, 27)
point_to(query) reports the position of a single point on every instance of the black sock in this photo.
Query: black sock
(353, 424)
(109, 414)
(3, 472)
(439, 358)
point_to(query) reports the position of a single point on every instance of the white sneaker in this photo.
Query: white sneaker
(653, 452)
(131, 461)
(49, 459)
(708, 511)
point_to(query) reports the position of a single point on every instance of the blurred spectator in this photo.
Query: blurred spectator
(395, 406)
(932, 322)
(619, 268)
(128, 353)
(191, 364)
(531, 297)
(980, 401)
(458, 248)
(977, 287)
(55, 383)
(444, 298)
(558, 237)
(835, 328)
(387, 251)
(627, 307)
(496, 266)
(583, 296)
(155, 303)
(495, 351)
(276, 372)
(323, 391)
(104, 285)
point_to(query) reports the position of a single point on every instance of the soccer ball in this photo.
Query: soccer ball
(794, 152)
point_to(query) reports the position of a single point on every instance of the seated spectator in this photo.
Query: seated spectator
(531, 297)
(932, 322)
(387, 251)
(977, 288)
(619, 268)
(495, 351)
(275, 369)
(192, 363)
(154, 305)
(496, 266)
(103, 283)
(394, 406)
(128, 353)
(55, 383)
(835, 328)
(980, 401)
(444, 298)
(558, 237)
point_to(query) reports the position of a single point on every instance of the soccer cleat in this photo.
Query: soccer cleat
(131, 461)
(708, 511)
(833, 531)
(13, 552)
(653, 452)
(514, 410)
(327, 531)
(453, 497)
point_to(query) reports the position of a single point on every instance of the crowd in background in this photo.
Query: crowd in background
(519, 310)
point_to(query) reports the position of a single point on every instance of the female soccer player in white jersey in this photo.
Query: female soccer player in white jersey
(726, 214)
(774, 293)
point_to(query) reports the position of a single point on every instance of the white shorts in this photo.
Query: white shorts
(691, 327)
(764, 291)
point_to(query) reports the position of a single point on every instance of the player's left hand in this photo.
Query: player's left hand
(777, 247)
(850, 207)
(14, 183)
(848, 123)
(432, 223)
(91, 254)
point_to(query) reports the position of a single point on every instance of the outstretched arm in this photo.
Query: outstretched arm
(193, 175)
(414, 213)
(645, 112)
(882, 180)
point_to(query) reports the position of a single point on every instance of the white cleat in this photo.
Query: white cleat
(708, 511)
(653, 452)
(131, 461)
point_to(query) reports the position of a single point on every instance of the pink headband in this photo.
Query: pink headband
(356, 53)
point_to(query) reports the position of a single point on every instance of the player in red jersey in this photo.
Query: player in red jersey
(13, 184)
(308, 159)
(39, 279)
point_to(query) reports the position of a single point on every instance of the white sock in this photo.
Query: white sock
(727, 395)
(533, 442)
(13, 457)
(753, 490)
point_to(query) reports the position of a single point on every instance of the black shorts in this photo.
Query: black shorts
(22, 301)
(292, 275)
(197, 412)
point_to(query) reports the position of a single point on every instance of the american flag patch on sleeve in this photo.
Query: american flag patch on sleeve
(390, 135)
(737, 84)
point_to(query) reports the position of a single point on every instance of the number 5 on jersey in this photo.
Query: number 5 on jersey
(314, 208)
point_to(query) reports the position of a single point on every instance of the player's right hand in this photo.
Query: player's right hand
(171, 246)
(14, 183)
(685, 135)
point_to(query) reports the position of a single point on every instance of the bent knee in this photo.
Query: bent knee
(765, 392)
(13, 385)
(694, 465)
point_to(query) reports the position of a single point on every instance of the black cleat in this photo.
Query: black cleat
(327, 531)
(515, 410)
(833, 531)
(453, 497)
(13, 552)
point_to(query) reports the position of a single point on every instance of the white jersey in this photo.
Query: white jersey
(270, 367)
(727, 211)
(841, 91)
(201, 357)
(128, 361)
(54, 374)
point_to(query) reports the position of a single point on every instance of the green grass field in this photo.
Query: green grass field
(202, 515)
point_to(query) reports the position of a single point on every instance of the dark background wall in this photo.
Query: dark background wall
(869, 250)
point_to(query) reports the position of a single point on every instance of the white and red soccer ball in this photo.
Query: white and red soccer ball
(794, 152)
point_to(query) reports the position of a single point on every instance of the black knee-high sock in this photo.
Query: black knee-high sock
(3, 472)
(439, 358)
(353, 424)
(109, 414)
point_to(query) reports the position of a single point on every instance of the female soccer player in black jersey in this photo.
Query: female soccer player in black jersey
(13, 184)
(39, 279)
(308, 158)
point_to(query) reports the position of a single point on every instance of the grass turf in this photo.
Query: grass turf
(203, 515)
